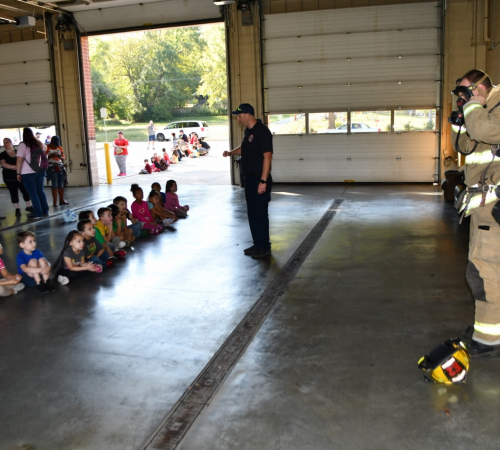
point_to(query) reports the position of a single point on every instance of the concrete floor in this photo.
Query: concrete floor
(99, 364)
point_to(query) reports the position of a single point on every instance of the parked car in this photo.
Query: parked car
(356, 127)
(200, 128)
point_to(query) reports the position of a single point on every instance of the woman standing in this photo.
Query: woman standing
(121, 153)
(8, 161)
(33, 181)
(55, 172)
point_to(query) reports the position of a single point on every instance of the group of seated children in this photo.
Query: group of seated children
(157, 164)
(97, 242)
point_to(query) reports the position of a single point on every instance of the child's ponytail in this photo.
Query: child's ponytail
(60, 259)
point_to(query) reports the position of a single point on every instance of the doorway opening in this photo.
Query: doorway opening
(175, 78)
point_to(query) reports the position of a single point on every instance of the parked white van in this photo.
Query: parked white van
(200, 128)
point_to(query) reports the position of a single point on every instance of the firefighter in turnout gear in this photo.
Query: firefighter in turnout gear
(476, 133)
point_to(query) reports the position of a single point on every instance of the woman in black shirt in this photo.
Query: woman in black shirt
(8, 162)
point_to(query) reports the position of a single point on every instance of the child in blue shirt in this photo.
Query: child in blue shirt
(31, 264)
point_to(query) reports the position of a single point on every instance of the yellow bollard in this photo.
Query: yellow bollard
(108, 163)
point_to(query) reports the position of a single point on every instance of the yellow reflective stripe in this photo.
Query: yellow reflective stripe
(470, 107)
(456, 129)
(487, 328)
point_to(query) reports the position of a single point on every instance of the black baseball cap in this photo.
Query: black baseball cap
(244, 108)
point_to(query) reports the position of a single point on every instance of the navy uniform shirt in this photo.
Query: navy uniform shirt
(257, 141)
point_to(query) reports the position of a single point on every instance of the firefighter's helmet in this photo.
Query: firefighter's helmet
(447, 363)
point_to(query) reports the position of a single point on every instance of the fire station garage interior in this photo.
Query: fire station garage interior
(188, 343)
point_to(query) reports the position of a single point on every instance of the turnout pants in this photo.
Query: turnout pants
(257, 210)
(483, 275)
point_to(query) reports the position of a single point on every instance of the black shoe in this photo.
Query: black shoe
(29, 209)
(467, 334)
(50, 286)
(42, 288)
(478, 350)
(46, 215)
(259, 253)
(18, 212)
(248, 251)
(33, 217)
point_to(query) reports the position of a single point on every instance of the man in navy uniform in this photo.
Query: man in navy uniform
(256, 152)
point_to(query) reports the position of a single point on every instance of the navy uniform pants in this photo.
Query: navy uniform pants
(257, 209)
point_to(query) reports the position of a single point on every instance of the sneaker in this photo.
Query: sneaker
(46, 215)
(98, 268)
(260, 253)
(124, 174)
(120, 174)
(18, 287)
(248, 251)
(42, 288)
(109, 262)
(478, 350)
(63, 280)
(122, 244)
(33, 217)
(2, 216)
(112, 258)
(50, 286)
(120, 253)
(18, 212)
(29, 208)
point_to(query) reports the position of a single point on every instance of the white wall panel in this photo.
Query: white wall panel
(146, 14)
(352, 20)
(373, 157)
(26, 95)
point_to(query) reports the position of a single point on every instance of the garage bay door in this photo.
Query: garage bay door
(121, 15)
(26, 95)
(353, 94)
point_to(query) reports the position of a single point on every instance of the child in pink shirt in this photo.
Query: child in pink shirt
(140, 211)
(172, 201)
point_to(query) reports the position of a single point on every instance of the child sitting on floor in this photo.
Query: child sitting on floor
(88, 214)
(31, 264)
(72, 260)
(136, 226)
(120, 229)
(94, 252)
(10, 284)
(158, 211)
(147, 168)
(172, 203)
(166, 158)
(155, 167)
(104, 233)
(141, 212)
(157, 187)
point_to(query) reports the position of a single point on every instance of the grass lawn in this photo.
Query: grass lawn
(138, 131)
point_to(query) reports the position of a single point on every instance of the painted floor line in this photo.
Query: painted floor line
(198, 395)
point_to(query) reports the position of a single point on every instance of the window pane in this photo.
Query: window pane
(370, 121)
(327, 122)
(287, 123)
(415, 120)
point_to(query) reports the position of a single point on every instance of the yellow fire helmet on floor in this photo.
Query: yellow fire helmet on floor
(447, 363)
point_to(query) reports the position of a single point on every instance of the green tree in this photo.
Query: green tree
(214, 79)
